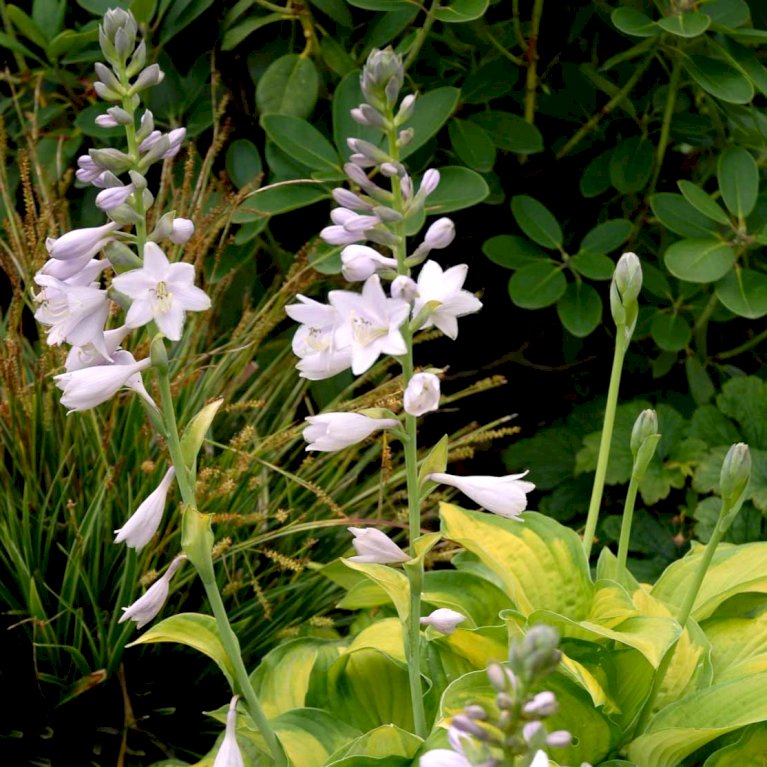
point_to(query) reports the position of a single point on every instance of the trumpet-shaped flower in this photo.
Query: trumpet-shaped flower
(422, 394)
(443, 620)
(146, 607)
(374, 547)
(334, 431)
(143, 523)
(229, 752)
(371, 323)
(361, 261)
(505, 496)
(78, 242)
(88, 355)
(445, 288)
(162, 292)
(87, 387)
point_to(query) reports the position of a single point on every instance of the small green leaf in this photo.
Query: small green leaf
(435, 462)
(580, 309)
(633, 22)
(607, 236)
(458, 188)
(699, 381)
(269, 201)
(196, 429)
(336, 10)
(289, 86)
(194, 630)
(729, 13)
(744, 292)
(180, 14)
(459, 11)
(69, 40)
(472, 144)
(720, 79)
(513, 252)
(738, 176)
(676, 214)
(301, 141)
(510, 132)
(702, 202)
(686, 24)
(243, 162)
(699, 260)
(432, 111)
(596, 178)
(631, 164)
(26, 26)
(536, 221)
(595, 266)
(235, 35)
(536, 286)
(671, 332)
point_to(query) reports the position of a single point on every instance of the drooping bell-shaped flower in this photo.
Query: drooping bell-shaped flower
(143, 523)
(361, 261)
(443, 620)
(88, 355)
(146, 607)
(375, 547)
(78, 242)
(228, 754)
(422, 394)
(505, 496)
(329, 432)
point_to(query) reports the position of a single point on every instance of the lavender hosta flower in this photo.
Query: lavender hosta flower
(404, 287)
(88, 355)
(228, 754)
(162, 292)
(143, 523)
(422, 394)
(375, 548)
(88, 387)
(371, 323)
(145, 608)
(335, 431)
(443, 620)
(88, 170)
(361, 262)
(445, 288)
(175, 139)
(505, 496)
(440, 234)
(78, 243)
(113, 197)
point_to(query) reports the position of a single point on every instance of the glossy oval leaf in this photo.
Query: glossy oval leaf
(432, 111)
(671, 332)
(729, 13)
(738, 176)
(595, 266)
(699, 260)
(536, 221)
(633, 22)
(702, 202)
(744, 292)
(347, 96)
(472, 144)
(580, 309)
(607, 236)
(685, 24)
(538, 285)
(596, 177)
(458, 11)
(278, 198)
(289, 86)
(301, 141)
(243, 162)
(458, 188)
(677, 215)
(380, 5)
(511, 251)
(720, 79)
(631, 164)
(509, 132)
(236, 34)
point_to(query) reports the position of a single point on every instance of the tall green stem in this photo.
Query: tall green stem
(668, 113)
(628, 517)
(531, 80)
(604, 445)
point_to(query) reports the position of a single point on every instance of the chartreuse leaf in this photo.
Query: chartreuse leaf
(195, 431)
(738, 646)
(194, 630)
(536, 221)
(734, 570)
(702, 202)
(686, 24)
(432, 111)
(580, 309)
(475, 647)
(700, 717)
(537, 285)
(738, 177)
(461, 10)
(392, 581)
(633, 22)
(594, 736)
(720, 78)
(434, 463)
(301, 141)
(699, 260)
(511, 251)
(747, 751)
(289, 86)
(480, 601)
(384, 635)
(458, 188)
(386, 745)
(744, 292)
(519, 550)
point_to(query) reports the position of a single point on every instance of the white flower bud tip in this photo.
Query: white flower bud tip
(374, 547)
(422, 394)
(443, 620)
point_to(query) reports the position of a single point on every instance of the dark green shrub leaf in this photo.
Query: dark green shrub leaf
(654, 281)
(348, 96)
(580, 309)
(288, 87)
(711, 426)
(595, 266)
(26, 26)
(536, 286)
(380, 5)
(458, 188)
(71, 41)
(432, 111)
(336, 56)
(552, 452)
(720, 79)
(634, 23)
(536, 221)
(631, 164)
(607, 236)
(596, 178)
(243, 162)
(745, 400)
(461, 10)
(301, 141)
(702, 202)
(699, 260)
(336, 10)
(85, 118)
(180, 13)
(388, 25)
(699, 381)
(234, 36)
(738, 177)
(676, 214)
(670, 331)
(472, 144)
(685, 24)
(728, 13)
(511, 251)
(269, 202)
(487, 82)
(744, 292)
(48, 15)
(509, 132)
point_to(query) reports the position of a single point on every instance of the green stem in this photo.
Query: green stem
(420, 37)
(531, 81)
(665, 129)
(744, 347)
(604, 445)
(628, 517)
(413, 644)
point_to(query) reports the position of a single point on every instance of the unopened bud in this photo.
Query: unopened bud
(475, 711)
(121, 256)
(733, 480)
(159, 354)
(391, 169)
(503, 700)
(150, 76)
(404, 137)
(644, 441)
(404, 287)
(559, 739)
(463, 723)
(440, 234)
(406, 109)
(624, 293)
(543, 704)
(111, 159)
(120, 116)
(137, 60)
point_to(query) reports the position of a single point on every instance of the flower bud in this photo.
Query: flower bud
(106, 121)
(440, 234)
(113, 197)
(348, 199)
(559, 739)
(543, 704)
(404, 287)
(361, 261)
(475, 711)
(374, 547)
(405, 136)
(117, 34)
(734, 477)
(382, 77)
(183, 229)
(391, 169)
(463, 723)
(429, 182)
(137, 60)
(111, 159)
(624, 293)
(150, 76)
(443, 620)
(644, 440)
(121, 256)
(106, 93)
(406, 109)
(422, 394)
(145, 128)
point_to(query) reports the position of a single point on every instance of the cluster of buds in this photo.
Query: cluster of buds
(511, 731)
(76, 298)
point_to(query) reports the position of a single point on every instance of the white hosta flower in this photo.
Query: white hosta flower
(442, 757)
(88, 387)
(145, 608)
(89, 355)
(371, 323)
(422, 394)
(162, 292)
(505, 496)
(440, 234)
(443, 620)
(361, 261)
(143, 523)
(183, 229)
(445, 289)
(229, 752)
(404, 287)
(114, 196)
(78, 242)
(541, 759)
(374, 547)
(334, 431)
